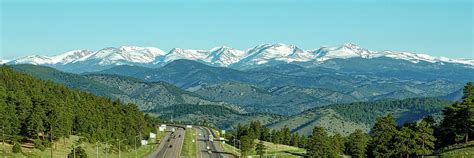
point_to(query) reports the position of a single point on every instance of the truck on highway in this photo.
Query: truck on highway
(211, 138)
(173, 130)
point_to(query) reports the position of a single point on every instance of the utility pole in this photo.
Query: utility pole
(3, 139)
(136, 154)
(97, 148)
(240, 148)
(119, 146)
(52, 143)
(107, 147)
(74, 150)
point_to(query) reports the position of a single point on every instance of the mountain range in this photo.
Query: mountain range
(288, 88)
(223, 56)
(229, 103)
(277, 84)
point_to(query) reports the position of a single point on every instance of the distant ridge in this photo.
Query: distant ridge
(223, 56)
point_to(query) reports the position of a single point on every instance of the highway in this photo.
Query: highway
(216, 150)
(165, 151)
(170, 146)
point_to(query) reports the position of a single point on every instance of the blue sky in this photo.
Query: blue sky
(438, 28)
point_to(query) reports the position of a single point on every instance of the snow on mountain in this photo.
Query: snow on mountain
(415, 58)
(345, 51)
(3, 61)
(350, 50)
(224, 56)
(266, 53)
(70, 56)
(123, 55)
(32, 59)
(178, 53)
(64, 58)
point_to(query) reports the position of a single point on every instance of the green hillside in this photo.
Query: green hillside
(152, 95)
(274, 99)
(295, 88)
(129, 90)
(34, 111)
(215, 115)
(346, 118)
(69, 79)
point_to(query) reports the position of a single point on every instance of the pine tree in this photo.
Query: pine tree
(405, 141)
(466, 114)
(459, 119)
(295, 138)
(247, 144)
(285, 135)
(260, 148)
(425, 138)
(337, 143)
(265, 134)
(318, 145)
(383, 134)
(357, 143)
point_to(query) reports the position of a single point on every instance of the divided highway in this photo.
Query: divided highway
(171, 144)
(207, 148)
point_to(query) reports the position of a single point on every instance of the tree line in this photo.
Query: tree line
(385, 139)
(33, 110)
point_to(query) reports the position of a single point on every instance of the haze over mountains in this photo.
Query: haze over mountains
(276, 84)
(258, 56)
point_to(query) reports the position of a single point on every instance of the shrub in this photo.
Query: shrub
(39, 144)
(16, 147)
(80, 153)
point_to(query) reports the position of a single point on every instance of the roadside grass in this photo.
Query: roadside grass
(189, 147)
(277, 150)
(230, 149)
(455, 151)
(464, 152)
(63, 147)
(160, 135)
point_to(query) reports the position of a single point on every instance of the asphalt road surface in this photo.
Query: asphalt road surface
(170, 146)
(208, 149)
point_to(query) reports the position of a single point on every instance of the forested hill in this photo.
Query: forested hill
(33, 109)
(346, 118)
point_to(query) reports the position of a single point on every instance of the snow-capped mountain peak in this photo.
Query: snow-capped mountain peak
(348, 50)
(33, 59)
(2, 61)
(123, 55)
(262, 54)
(224, 56)
(70, 56)
(151, 50)
(266, 53)
(179, 53)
